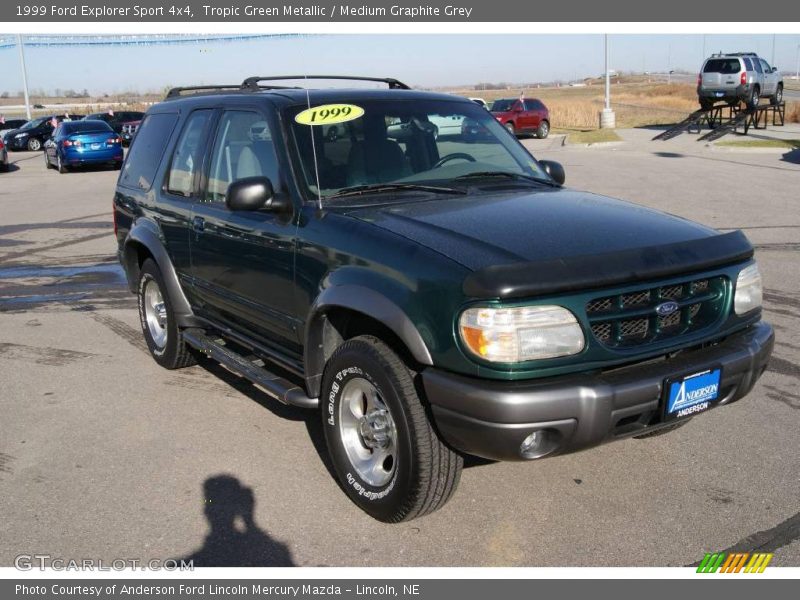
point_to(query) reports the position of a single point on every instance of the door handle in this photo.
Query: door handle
(198, 224)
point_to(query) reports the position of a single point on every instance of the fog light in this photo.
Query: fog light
(539, 443)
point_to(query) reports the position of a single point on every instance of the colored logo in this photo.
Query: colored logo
(667, 308)
(735, 562)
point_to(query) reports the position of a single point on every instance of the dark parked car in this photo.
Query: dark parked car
(3, 156)
(35, 132)
(430, 298)
(10, 124)
(128, 131)
(523, 115)
(116, 119)
(80, 143)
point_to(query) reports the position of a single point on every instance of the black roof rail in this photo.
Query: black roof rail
(177, 92)
(252, 83)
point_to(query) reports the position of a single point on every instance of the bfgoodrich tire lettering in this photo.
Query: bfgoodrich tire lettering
(169, 350)
(423, 472)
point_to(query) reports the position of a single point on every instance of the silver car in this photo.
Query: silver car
(738, 76)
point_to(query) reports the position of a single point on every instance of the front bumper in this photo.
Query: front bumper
(491, 418)
(17, 143)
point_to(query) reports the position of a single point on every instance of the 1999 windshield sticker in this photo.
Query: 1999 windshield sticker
(329, 114)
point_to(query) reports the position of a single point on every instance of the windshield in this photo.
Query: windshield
(502, 105)
(87, 127)
(725, 66)
(33, 124)
(394, 144)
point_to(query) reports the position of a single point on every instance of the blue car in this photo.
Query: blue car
(79, 143)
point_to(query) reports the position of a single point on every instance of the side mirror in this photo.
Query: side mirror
(249, 193)
(774, 69)
(555, 170)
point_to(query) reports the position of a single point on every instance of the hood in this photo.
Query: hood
(485, 230)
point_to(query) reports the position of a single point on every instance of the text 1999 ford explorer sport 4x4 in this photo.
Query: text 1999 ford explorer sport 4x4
(430, 296)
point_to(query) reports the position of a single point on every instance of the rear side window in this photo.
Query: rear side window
(748, 64)
(145, 153)
(188, 154)
(757, 65)
(725, 66)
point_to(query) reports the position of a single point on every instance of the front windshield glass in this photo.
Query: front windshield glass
(32, 124)
(403, 143)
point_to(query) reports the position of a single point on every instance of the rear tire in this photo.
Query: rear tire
(543, 130)
(706, 104)
(388, 458)
(157, 318)
(752, 101)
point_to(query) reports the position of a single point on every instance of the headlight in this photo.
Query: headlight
(749, 293)
(510, 335)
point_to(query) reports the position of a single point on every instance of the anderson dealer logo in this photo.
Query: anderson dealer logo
(734, 562)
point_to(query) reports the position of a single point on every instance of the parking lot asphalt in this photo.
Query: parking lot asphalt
(103, 454)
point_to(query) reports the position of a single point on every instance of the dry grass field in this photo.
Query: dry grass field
(636, 104)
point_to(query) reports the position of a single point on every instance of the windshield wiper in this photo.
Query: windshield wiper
(506, 175)
(358, 190)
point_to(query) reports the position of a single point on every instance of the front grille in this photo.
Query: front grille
(630, 319)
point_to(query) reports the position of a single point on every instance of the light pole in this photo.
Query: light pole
(607, 118)
(24, 76)
(797, 73)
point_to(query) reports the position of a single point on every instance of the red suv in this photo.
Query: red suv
(523, 115)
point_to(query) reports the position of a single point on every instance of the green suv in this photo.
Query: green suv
(430, 296)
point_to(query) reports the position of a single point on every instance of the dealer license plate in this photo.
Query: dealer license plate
(95, 146)
(719, 94)
(691, 394)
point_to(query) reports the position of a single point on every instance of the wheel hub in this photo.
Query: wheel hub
(368, 432)
(375, 429)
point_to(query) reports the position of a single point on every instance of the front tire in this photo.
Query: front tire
(511, 129)
(34, 144)
(62, 168)
(47, 164)
(386, 454)
(157, 318)
(778, 97)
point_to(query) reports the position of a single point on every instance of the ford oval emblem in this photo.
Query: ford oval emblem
(667, 308)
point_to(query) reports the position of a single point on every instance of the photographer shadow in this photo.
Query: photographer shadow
(234, 539)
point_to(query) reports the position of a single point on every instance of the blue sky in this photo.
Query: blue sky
(425, 60)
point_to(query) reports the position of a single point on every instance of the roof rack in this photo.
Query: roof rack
(734, 54)
(179, 91)
(252, 83)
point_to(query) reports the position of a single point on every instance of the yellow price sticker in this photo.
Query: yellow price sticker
(329, 114)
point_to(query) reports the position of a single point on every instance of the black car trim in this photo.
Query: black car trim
(367, 302)
(144, 232)
(612, 268)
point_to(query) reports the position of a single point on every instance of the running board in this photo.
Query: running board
(279, 388)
